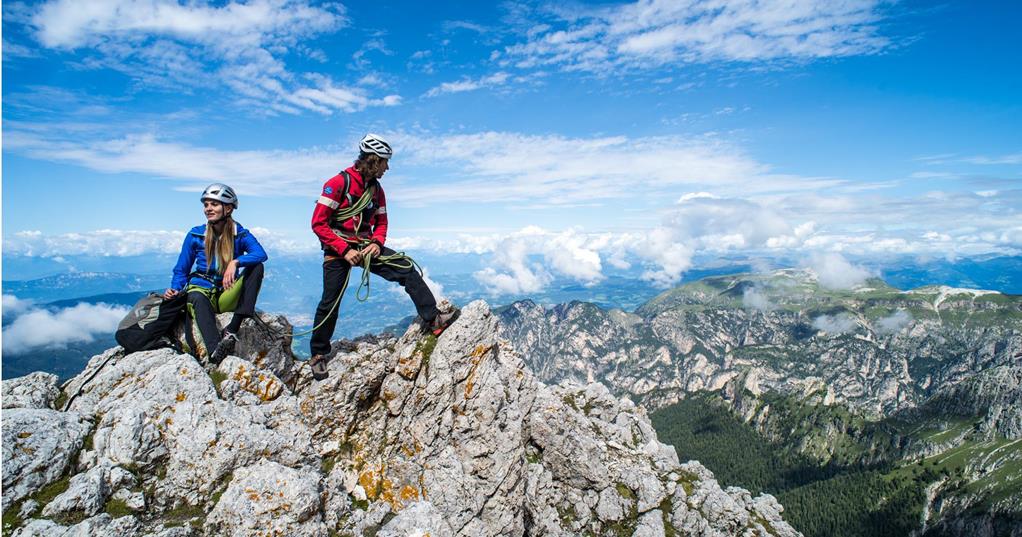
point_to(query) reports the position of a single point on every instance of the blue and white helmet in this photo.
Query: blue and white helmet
(222, 193)
(376, 145)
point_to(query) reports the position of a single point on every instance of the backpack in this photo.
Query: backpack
(149, 323)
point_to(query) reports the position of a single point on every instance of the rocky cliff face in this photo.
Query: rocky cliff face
(923, 373)
(877, 349)
(409, 436)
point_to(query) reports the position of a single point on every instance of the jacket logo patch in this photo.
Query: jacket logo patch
(328, 190)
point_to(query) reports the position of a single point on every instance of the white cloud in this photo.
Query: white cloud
(43, 329)
(650, 33)
(509, 167)
(705, 223)
(514, 268)
(200, 45)
(124, 243)
(1014, 158)
(696, 195)
(482, 167)
(841, 323)
(104, 242)
(468, 84)
(256, 172)
(754, 298)
(894, 322)
(833, 271)
(13, 305)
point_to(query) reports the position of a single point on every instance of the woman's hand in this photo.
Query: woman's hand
(169, 294)
(229, 274)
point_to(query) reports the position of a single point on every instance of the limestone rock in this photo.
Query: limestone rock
(418, 519)
(160, 408)
(247, 383)
(98, 526)
(87, 493)
(266, 342)
(35, 390)
(268, 497)
(38, 446)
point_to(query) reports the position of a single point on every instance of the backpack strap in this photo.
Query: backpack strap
(347, 187)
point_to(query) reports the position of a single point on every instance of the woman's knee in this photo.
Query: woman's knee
(253, 271)
(198, 298)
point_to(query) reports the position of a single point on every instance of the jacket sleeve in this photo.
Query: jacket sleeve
(253, 251)
(184, 264)
(328, 202)
(380, 220)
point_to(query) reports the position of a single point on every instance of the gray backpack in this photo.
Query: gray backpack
(149, 323)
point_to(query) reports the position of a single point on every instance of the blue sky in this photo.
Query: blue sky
(588, 135)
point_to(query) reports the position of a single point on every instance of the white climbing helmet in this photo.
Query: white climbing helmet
(375, 144)
(222, 193)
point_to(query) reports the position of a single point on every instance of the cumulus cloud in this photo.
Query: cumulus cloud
(201, 45)
(706, 223)
(13, 305)
(44, 329)
(894, 322)
(652, 33)
(833, 271)
(528, 260)
(841, 323)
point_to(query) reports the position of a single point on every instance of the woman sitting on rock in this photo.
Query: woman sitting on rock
(228, 263)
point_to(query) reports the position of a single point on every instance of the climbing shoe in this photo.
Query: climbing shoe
(318, 366)
(224, 348)
(443, 320)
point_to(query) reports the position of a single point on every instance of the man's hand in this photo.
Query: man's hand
(371, 251)
(229, 274)
(169, 294)
(353, 256)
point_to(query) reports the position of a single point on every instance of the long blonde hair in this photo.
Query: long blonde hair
(222, 246)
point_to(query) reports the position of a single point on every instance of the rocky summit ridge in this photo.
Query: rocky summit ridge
(413, 435)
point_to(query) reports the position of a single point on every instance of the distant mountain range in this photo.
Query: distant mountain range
(903, 407)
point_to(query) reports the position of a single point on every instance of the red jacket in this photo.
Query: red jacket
(332, 198)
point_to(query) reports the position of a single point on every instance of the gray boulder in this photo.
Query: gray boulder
(38, 447)
(35, 390)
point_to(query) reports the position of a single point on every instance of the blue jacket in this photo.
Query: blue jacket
(247, 251)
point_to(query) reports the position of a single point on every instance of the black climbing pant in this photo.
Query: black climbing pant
(335, 271)
(201, 302)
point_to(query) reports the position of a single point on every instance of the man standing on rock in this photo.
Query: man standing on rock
(350, 220)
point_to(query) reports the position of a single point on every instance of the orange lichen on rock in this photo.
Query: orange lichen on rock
(409, 494)
(477, 357)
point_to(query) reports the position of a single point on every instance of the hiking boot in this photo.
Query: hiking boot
(318, 366)
(224, 348)
(443, 320)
